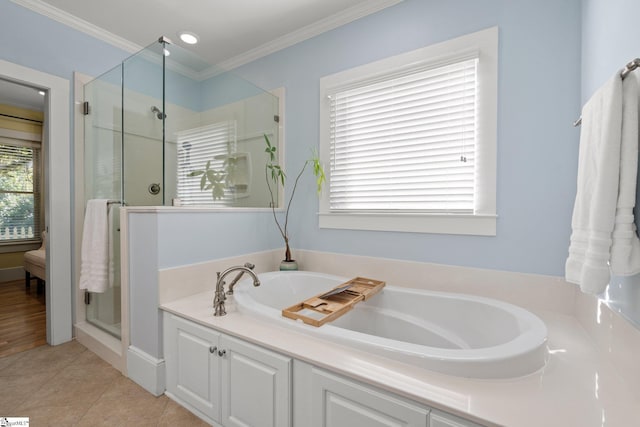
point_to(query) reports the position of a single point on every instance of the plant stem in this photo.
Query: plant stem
(293, 192)
(283, 231)
(273, 208)
(287, 251)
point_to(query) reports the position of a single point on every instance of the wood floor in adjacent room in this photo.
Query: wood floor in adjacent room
(22, 318)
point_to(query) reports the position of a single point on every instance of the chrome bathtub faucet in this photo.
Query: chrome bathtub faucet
(220, 297)
(235, 279)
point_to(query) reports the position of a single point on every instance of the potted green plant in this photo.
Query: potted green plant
(274, 175)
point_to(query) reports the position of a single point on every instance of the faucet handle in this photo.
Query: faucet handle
(249, 265)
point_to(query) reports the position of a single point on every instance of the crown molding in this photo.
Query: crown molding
(99, 33)
(329, 23)
(79, 24)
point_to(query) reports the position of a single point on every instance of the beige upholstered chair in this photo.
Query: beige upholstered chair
(35, 265)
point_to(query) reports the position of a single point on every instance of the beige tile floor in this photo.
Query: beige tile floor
(68, 385)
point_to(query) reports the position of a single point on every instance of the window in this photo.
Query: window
(19, 191)
(409, 141)
(215, 144)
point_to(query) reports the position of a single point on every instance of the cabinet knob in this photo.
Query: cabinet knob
(222, 352)
(213, 349)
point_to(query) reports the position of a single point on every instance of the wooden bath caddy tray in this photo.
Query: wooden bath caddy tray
(323, 308)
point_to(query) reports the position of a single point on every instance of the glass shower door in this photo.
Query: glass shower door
(103, 180)
(153, 121)
(124, 158)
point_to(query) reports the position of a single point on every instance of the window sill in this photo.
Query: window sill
(465, 224)
(8, 247)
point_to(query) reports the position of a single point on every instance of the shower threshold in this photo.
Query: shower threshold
(113, 329)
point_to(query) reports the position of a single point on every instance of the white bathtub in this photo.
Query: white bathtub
(454, 334)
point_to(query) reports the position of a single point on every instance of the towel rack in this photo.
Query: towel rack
(624, 73)
(115, 202)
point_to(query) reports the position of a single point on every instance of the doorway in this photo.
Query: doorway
(22, 307)
(57, 200)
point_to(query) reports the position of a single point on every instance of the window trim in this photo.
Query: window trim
(483, 220)
(25, 139)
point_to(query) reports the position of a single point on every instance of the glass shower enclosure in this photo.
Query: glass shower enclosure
(165, 128)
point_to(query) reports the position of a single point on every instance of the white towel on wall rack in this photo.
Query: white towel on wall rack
(603, 237)
(625, 246)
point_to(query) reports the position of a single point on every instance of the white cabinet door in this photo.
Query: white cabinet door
(256, 386)
(338, 402)
(192, 364)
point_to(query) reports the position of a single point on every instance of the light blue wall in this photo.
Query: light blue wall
(187, 238)
(34, 41)
(145, 325)
(226, 88)
(539, 94)
(610, 39)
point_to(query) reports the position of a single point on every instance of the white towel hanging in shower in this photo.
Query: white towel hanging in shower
(94, 257)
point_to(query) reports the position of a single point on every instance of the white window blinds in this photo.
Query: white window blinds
(196, 147)
(405, 142)
(19, 191)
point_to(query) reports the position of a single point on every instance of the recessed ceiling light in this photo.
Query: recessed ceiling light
(187, 37)
(41, 92)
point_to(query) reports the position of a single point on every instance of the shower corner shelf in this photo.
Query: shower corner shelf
(328, 306)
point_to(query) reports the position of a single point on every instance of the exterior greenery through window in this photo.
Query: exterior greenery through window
(19, 193)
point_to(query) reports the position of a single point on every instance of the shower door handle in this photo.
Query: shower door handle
(154, 188)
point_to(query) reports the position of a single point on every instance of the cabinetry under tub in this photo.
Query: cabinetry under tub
(225, 380)
(229, 382)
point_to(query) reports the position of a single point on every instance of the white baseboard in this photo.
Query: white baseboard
(146, 371)
(12, 273)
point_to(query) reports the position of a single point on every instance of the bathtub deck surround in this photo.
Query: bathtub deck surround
(566, 392)
(591, 375)
(200, 277)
